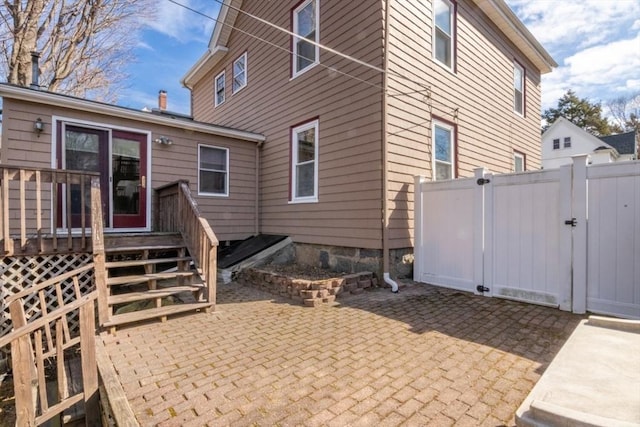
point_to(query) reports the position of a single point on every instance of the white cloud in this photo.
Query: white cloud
(182, 24)
(599, 73)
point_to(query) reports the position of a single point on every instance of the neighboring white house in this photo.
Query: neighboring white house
(563, 140)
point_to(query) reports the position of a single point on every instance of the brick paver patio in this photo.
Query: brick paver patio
(425, 356)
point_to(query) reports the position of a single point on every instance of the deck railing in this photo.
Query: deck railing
(37, 340)
(177, 210)
(32, 202)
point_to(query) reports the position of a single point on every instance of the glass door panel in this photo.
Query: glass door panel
(129, 186)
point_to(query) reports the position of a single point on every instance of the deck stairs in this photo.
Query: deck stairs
(150, 276)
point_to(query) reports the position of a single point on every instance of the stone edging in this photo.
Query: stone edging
(311, 293)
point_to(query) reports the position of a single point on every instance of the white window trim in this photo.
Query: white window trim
(215, 89)
(246, 73)
(228, 172)
(294, 163)
(522, 157)
(452, 17)
(452, 141)
(523, 82)
(295, 73)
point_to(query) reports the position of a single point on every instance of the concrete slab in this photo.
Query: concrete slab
(593, 381)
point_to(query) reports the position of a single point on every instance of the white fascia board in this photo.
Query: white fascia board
(504, 18)
(203, 66)
(49, 98)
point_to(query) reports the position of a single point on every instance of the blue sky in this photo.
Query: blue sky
(596, 44)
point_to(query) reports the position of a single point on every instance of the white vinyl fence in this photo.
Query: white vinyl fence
(566, 238)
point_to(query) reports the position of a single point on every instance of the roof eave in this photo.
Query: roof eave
(504, 18)
(205, 64)
(49, 98)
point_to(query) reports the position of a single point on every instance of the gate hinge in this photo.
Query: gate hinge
(572, 222)
(482, 289)
(483, 181)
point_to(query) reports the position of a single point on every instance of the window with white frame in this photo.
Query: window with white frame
(306, 26)
(556, 144)
(219, 87)
(567, 142)
(213, 171)
(240, 73)
(518, 88)
(443, 34)
(443, 151)
(519, 162)
(304, 162)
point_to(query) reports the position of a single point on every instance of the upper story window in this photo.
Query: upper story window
(567, 142)
(556, 144)
(519, 162)
(213, 171)
(304, 162)
(444, 151)
(219, 87)
(240, 73)
(518, 88)
(307, 27)
(444, 14)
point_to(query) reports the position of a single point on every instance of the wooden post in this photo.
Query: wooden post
(24, 370)
(99, 260)
(23, 210)
(39, 210)
(89, 366)
(579, 210)
(5, 211)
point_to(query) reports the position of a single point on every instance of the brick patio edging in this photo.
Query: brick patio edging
(311, 293)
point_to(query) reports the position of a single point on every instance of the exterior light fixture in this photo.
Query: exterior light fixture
(38, 126)
(163, 140)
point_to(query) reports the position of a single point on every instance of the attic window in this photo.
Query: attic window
(567, 142)
(219, 83)
(306, 26)
(556, 144)
(240, 73)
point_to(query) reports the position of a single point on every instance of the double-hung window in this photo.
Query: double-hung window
(304, 162)
(306, 26)
(219, 87)
(240, 73)
(518, 88)
(444, 16)
(213, 171)
(444, 151)
(556, 144)
(519, 162)
(567, 142)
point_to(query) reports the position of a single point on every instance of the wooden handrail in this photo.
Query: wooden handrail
(177, 210)
(17, 231)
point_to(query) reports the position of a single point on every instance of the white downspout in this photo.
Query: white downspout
(385, 156)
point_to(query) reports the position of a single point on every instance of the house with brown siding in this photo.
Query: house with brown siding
(135, 152)
(356, 98)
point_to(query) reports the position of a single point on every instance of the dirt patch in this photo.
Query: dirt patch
(301, 271)
(7, 403)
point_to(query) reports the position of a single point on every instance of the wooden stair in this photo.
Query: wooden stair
(143, 271)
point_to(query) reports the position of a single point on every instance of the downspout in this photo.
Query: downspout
(257, 185)
(385, 155)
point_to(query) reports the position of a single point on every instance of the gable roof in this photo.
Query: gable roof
(597, 143)
(625, 143)
(177, 121)
(497, 10)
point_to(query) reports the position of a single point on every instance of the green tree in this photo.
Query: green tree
(579, 111)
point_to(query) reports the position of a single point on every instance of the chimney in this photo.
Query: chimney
(35, 70)
(162, 100)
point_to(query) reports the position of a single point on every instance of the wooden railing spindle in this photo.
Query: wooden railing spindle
(23, 209)
(39, 210)
(83, 211)
(68, 204)
(42, 382)
(54, 195)
(5, 210)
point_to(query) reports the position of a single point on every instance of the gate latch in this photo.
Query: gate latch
(572, 222)
(482, 289)
(483, 181)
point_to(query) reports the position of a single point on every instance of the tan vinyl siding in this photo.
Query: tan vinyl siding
(231, 218)
(478, 98)
(348, 112)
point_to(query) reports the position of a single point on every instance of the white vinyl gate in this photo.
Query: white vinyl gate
(567, 238)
